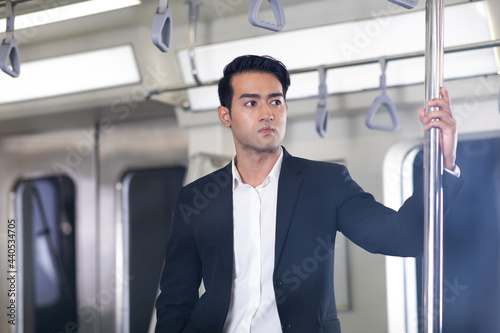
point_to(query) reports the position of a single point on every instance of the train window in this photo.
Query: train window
(471, 270)
(45, 208)
(149, 197)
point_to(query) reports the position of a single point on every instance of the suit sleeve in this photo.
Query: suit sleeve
(379, 229)
(181, 275)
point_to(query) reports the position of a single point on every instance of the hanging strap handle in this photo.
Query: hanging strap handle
(322, 112)
(383, 100)
(162, 27)
(9, 50)
(408, 4)
(194, 6)
(279, 15)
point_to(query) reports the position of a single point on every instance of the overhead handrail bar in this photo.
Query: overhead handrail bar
(453, 49)
(408, 4)
(9, 50)
(279, 15)
(14, 2)
(322, 112)
(383, 100)
(161, 32)
(194, 6)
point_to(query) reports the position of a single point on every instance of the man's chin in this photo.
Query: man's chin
(269, 148)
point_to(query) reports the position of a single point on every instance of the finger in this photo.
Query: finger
(439, 119)
(445, 95)
(421, 114)
(439, 103)
(443, 126)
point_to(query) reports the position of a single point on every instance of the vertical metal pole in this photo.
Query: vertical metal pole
(433, 165)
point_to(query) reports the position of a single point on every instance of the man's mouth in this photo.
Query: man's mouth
(266, 130)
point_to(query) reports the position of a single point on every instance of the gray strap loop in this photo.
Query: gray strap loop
(9, 50)
(383, 100)
(322, 112)
(162, 6)
(194, 6)
(161, 32)
(279, 15)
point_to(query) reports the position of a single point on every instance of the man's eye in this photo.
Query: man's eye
(251, 103)
(276, 102)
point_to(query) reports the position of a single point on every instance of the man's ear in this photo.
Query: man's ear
(224, 116)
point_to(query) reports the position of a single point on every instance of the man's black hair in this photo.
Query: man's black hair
(246, 64)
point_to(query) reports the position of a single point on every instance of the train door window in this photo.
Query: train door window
(471, 270)
(45, 208)
(149, 198)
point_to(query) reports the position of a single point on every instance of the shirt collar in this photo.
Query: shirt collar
(273, 175)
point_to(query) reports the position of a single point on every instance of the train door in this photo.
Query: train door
(48, 211)
(142, 167)
(471, 238)
(89, 212)
(471, 255)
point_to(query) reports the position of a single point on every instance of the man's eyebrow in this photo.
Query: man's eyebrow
(249, 96)
(273, 95)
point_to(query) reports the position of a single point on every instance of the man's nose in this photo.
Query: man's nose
(266, 113)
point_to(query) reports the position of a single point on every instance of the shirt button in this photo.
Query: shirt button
(285, 327)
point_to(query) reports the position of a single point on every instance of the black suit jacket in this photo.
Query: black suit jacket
(315, 200)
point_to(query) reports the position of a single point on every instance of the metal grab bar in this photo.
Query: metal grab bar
(432, 270)
(383, 100)
(408, 4)
(161, 32)
(279, 15)
(322, 112)
(411, 55)
(9, 50)
(194, 6)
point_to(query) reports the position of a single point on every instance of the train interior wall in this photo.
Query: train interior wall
(153, 135)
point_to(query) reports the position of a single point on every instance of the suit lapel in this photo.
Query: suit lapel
(224, 223)
(288, 191)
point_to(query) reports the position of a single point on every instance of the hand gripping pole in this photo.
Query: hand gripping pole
(383, 100)
(9, 51)
(162, 27)
(279, 15)
(322, 112)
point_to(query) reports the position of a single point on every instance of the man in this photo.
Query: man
(260, 232)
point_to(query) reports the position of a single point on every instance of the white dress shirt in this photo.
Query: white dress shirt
(253, 303)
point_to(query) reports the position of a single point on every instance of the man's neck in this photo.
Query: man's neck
(254, 167)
